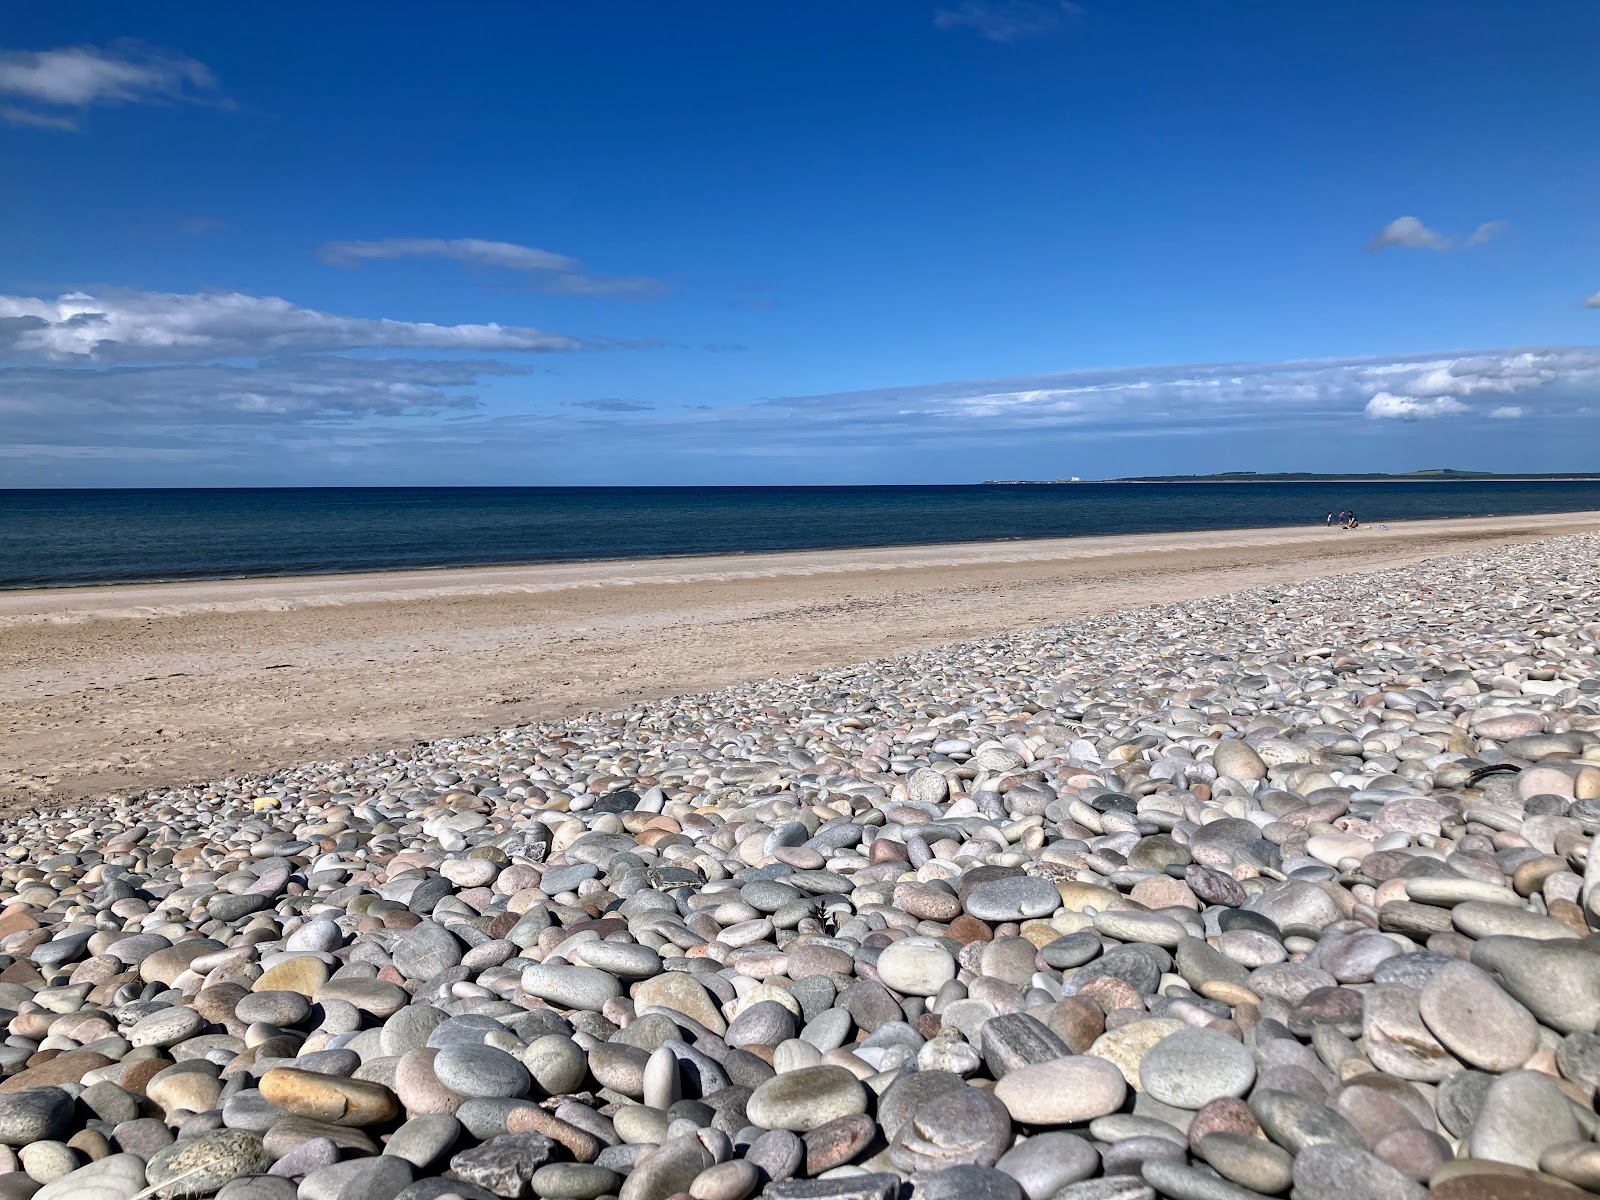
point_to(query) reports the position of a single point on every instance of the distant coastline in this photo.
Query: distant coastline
(1442, 475)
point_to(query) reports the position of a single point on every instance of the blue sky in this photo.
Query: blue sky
(896, 241)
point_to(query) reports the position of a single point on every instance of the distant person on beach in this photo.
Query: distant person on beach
(1330, 520)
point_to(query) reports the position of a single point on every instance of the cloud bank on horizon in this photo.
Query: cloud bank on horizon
(214, 380)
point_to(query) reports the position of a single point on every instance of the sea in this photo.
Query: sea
(67, 537)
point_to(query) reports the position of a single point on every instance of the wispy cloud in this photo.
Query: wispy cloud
(1487, 232)
(1592, 301)
(28, 119)
(609, 405)
(1007, 20)
(1508, 412)
(547, 270)
(166, 326)
(53, 87)
(1411, 234)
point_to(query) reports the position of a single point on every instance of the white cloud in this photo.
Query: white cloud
(549, 271)
(1592, 301)
(165, 326)
(1503, 373)
(1487, 232)
(55, 81)
(1410, 233)
(1508, 412)
(1386, 405)
(1007, 20)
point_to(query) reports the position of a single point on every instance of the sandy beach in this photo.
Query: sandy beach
(138, 686)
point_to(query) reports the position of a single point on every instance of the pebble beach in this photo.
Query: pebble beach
(1286, 892)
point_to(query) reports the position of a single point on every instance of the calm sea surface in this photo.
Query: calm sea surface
(54, 538)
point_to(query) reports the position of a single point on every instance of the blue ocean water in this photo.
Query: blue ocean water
(63, 537)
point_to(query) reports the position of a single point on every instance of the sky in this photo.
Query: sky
(838, 241)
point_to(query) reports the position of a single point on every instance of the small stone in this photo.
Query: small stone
(1251, 1162)
(778, 1153)
(916, 966)
(950, 1125)
(258, 1187)
(304, 973)
(1295, 1122)
(837, 1142)
(1046, 1162)
(197, 1166)
(166, 1027)
(570, 987)
(329, 1098)
(671, 1168)
(1014, 899)
(766, 1023)
(732, 1180)
(1466, 1010)
(574, 1181)
(34, 1115)
(867, 1186)
(1396, 1038)
(1558, 981)
(425, 950)
(503, 1165)
(970, 1183)
(1193, 1066)
(1067, 1091)
(1523, 1113)
(1018, 1040)
(310, 1155)
(680, 992)
(1343, 1173)
(424, 1140)
(802, 1100)
(1576, 1162)
(115, 1177)
(1234, 758)
(46, 1162)
(380, 1178)
(480, 1070)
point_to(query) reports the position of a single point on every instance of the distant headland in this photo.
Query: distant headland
(1434, 475)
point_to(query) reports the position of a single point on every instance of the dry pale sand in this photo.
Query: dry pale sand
(127, 686)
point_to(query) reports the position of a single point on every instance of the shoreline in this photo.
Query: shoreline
(139, 686)
(317, 588)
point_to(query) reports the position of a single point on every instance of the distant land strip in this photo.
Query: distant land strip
(1438, 475)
